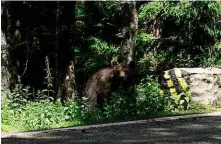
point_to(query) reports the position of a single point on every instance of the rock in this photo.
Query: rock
(203, 84)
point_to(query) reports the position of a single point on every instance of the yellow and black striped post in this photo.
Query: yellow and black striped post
(174, 81)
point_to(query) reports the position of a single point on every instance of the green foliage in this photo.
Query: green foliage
(80, 9)
(210, 62)
(100, 53)
(144, 41)
(18, 114)
(184, 61)
(196, 107)
(48, 77)
(38, 115)
(150, 10)
(195, 23)
(144, 37)
(100, 47)
(183, 11)
(45, 95)
(140, 101)
(112, 9)
(148, 100)
(134, 102)
(213, 58)
(18, 96)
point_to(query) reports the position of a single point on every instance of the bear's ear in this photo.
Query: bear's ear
(114, 63)
(132, 65)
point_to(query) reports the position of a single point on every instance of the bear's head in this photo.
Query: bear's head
(123, 75)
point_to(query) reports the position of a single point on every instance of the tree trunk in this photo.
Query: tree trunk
(66, 51)
(4, 52)
(129, 31)
(57, 76)
(5, 61)
(6, 68)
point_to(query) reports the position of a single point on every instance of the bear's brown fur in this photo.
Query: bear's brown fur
(101, 83)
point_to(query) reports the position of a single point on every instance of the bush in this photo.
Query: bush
(142, 100)
(38, 115)
(138, 101)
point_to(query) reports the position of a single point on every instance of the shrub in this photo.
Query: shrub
(39, 115)
(138, 101)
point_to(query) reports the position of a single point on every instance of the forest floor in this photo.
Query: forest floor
(197, 128)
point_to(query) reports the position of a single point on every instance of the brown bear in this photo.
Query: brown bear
(100, 85)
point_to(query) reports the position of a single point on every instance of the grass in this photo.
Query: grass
(36, 116)
(19, 115)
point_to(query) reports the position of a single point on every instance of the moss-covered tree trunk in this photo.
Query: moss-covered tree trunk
(129, 30)
(10, 41)
(5, 73)
(66, 51)
(5, 63)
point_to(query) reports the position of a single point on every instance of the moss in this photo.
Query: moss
(218, 80)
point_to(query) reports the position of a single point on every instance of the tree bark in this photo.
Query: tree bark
(7, 79)
(129, 31)
(5, 61)
(57, 76)
(66, 51)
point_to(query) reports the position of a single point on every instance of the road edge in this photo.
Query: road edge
(162, 119)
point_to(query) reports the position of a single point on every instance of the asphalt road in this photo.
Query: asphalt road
(194, 130)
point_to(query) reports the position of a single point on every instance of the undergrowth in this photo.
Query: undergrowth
(131, 103)
(136, 102)
(37, 115)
